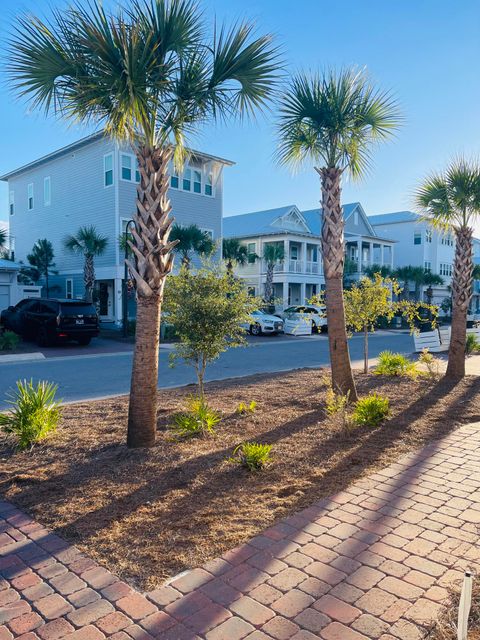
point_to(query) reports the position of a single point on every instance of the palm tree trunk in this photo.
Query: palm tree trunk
(88, 277)
(461, 295)
(151, 262)
(269, 283)
(333, 253)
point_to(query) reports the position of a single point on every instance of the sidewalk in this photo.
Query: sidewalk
(372, 562)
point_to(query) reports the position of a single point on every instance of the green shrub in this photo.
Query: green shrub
(197, 420)
(252, 455)
(34, 413)
(472, 344)
(371, 410)
(395, 364)
(431, 364)
(9, 341)
(244, 409)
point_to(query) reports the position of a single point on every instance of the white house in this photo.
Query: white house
(300, 275)
(421, 245)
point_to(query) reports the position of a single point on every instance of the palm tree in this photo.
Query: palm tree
(451, 201)
(417, 276)
(404, 274)
(3, 244)
(234, 252)
(150, 75)
(384, 270)
(88, 243)
(190, 240)
(333, 120)
(41, 259)
(431, 280)
(273, 254)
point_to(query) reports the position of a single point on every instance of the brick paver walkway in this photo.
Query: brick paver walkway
(370, 562)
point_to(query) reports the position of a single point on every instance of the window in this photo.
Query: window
(428, 235)
(137, 170)
(251, 251)
(197, 181)
(294, 252)
(315, 254)
(69, 288)
(11, 203)
(445, 269)
(126, 166)
(209, 185)
(417, 238)
(47, 192)
(428, 266)
(187, 180)
(30, 196)
(447, 240)
(355, 218)
(108, 170)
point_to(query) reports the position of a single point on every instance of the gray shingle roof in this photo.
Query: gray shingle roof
(392, 218)
(9, 265)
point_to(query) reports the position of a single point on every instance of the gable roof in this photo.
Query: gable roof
(9, 265)
(394, 217)
(267, 222)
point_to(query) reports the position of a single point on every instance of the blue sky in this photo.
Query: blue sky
(425, 51)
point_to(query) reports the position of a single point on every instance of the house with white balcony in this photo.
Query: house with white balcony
(421, 245)
(300, 275)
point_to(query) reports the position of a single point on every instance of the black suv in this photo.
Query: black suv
(47, 320)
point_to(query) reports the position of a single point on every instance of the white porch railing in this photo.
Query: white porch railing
(313, 267)
(296, 266)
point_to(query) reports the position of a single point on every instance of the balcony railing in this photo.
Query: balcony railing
(312, 267)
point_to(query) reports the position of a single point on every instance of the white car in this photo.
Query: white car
(263, 323)
(316, 314)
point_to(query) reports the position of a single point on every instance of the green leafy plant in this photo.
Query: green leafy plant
(197, 420)
(252, 455)
(34, 413)
(337, 404)
(472, 345)
(244, 409)
(371, 410)
(9, 341)
(431, 364)
(395, 364)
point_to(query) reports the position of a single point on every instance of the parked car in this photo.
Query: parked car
(48, 320)
(316, 314)
(263, 323)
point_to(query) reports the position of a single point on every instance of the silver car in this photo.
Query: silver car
(263, 323)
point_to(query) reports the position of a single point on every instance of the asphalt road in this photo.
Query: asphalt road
(96, 375)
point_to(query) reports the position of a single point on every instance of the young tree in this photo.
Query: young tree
(207, 309)
(451, 201)
(273, 254)
(150, 74)
(190, 240)
(334, 120)
(234, 252)
(41, 259)
(88, 243)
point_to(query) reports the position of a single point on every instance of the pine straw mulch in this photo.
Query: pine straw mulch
(149, 514)
(445, 628)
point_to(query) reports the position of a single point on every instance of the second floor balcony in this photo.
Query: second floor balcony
(296, 266)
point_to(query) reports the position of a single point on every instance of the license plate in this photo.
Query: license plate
(79, 321)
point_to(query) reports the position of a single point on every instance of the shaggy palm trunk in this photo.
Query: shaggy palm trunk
(461, 294)
(333, 253)
(88, 277)
(269, 283)
(152, 261)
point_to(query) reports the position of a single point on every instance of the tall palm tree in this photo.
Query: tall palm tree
(3, 243)
(273, 254)
(88, 243)
(190, 240)
(41, 259)
(451, 201)
(150, 75)
(333, 120)
(234, 252)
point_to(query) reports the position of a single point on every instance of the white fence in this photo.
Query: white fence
(438, 339)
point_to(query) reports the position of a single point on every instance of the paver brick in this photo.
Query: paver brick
(113, 622)
(53, 606)
(365, 578)
(233, 629)
(98, 578)
(251, 610)
(287, 579)
(136, 606)
(280, 628)
(207, 618)
(400, 588)
(87, 633)
(14, 610)
(67, 583)
(25, 623)
(55, 629)
(90, 613)
(375, 601)
(370, 626)
(337, 609)
(312, 620)
(291, 603)
(337, 631)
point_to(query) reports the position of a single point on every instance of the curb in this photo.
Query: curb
(21, 357)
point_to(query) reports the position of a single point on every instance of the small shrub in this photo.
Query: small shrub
(198, 420)
(395, 364)
(337, 404)
(371, 410)
(244, 409)
(472, 344)
(252, 455)
(431, 364)
(9, 341)
(34, 413)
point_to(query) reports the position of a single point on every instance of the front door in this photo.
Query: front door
(105, 300)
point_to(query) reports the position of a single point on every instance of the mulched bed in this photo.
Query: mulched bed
(149, 514)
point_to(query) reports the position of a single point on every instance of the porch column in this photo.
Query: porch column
(371, 253)
(285, 294)
(304, 258)
(382, 254)
(286, 258)
(359, 251)
(118, 298)
(303, 293)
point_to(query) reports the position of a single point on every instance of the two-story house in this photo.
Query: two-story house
(421, 245)
(93, 182)
(300, 275)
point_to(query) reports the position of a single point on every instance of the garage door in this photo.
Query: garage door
(4, 296)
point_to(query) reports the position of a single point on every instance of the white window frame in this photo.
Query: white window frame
(428, 235)
(417, 235)
(251, 253)
(105, 170)
(47, 191)
(69, 295)
(197, 173)
(11, 202)
(428, 266)
(30, 196)
(208, 182)
(187, 171)
(128, 156)
(210, 232)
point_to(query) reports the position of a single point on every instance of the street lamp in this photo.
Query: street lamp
(125, 279)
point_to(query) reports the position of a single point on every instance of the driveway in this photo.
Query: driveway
(97, 374)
